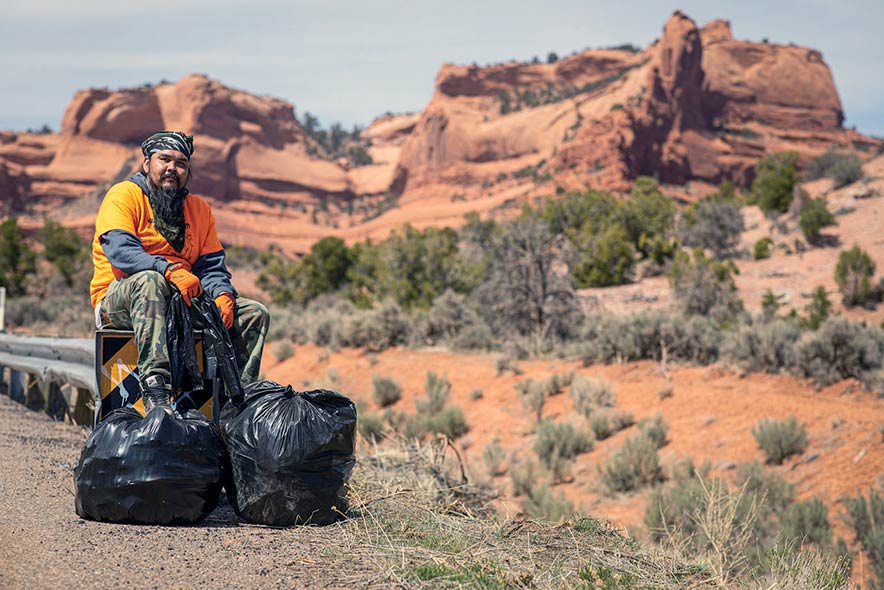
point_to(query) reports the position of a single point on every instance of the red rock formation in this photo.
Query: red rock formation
(694, 105)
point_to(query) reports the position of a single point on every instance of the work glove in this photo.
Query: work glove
(185, 281)
(225, 304)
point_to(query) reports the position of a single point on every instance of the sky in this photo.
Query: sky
(349, 61)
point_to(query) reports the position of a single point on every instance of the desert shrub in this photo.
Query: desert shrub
(283, 350)
(590, 395)
(838, 350)
(507, 363)
(853, 275)
(761, 248)
(620, 420)
(807, 522)
(801, 569)
(600, 426)
(523, 477)
(370, 426)
(475, 337)
(544, 504)
(843, 168)
(437, 390)
(866, 517)
(775, 179)
(476, 394)
(526, 292)
(609, 262)
(814, 216)
(665, 393)
(376, 329)
(766, 347)
(449, 421)
(449, 317)
(533, 396)
(648, 214)
(634, 465)
(780, 440)
(817, 311)
(652, 335)
(386, 391)
(17, 258)
(655, 429)
(705, 287)
(557, 444)
(714, 224)
(494, 456)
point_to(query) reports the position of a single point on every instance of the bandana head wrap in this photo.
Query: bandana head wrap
(168, 140)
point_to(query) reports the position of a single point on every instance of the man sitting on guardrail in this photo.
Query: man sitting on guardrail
(152, 235)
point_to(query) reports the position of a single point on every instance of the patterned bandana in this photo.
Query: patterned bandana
(168, 140)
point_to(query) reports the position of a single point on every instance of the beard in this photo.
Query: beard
(167, 202)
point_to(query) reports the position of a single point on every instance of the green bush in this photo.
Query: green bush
(437, 390)
(558, 444)
(817, 311)
(634, 465)
(655, 429)
(814, 216)
(386, 391)
(533, 396)
(371, 426)
(761, 249)
(807, 522)
(866, 517)
(775, 179)
(767, 347)
(494, 456)
(714, 223)
(780, 440)
(600, 426)
(449, 421)
(838, 350)
(853, 275)
(705, 287)
(17, 259)
(590, 395)
(843, 168)
(621, 420)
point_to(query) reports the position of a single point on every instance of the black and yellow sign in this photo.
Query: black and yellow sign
(116, 368)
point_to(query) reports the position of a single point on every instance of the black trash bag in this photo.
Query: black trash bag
(291, 454)
(163, 468)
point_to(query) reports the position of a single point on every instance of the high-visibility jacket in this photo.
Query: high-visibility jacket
(127, 242)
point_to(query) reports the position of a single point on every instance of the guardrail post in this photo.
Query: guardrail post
(35, 396)
(56, 405)
(17, 381)
(3, 383)
(84, 407)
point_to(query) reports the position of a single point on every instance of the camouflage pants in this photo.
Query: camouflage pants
(139, 303)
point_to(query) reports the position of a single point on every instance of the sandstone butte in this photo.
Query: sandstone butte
(694, 108)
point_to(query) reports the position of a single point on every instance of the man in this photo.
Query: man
(151, 236)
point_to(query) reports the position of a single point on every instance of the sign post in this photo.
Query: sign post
(2, 309)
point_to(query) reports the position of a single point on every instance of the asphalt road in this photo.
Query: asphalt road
(44, 544)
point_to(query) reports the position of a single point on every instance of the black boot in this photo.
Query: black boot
(155, 393)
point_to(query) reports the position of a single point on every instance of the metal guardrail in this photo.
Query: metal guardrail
(52, 374)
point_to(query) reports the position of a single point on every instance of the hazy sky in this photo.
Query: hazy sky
(351, 60)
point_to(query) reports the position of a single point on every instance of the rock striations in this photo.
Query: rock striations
(696, 105)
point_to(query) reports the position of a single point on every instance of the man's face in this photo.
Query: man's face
(167, 169)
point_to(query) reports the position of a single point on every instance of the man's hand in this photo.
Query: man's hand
(225, 304)
(185, 281)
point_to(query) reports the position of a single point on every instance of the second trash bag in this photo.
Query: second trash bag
(291, 454)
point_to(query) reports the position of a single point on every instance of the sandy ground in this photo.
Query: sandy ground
(710, 416)
(45, 545)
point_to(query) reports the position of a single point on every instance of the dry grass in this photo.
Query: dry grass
(415, 522)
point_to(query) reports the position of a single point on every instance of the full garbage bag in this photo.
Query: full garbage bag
(162, 468)
(291, 454)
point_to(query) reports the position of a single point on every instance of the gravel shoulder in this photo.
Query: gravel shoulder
(44, 544)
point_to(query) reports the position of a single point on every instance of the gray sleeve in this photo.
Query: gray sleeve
(124, 251)
(211, 269)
